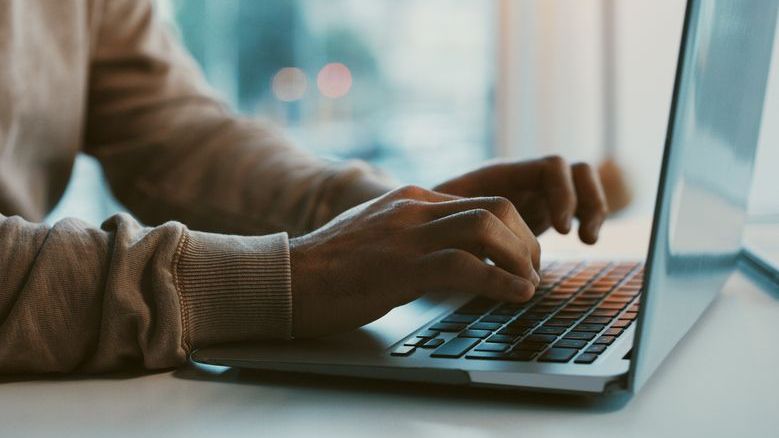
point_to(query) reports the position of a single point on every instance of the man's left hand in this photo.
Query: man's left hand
(547, 192)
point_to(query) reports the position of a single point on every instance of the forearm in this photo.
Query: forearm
(76, 298)
(172, 151)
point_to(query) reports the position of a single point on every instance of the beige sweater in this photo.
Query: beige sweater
(105, 77)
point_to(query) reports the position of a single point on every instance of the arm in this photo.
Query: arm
(76, 298)
(173, 152)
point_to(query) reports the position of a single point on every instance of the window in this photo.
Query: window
(403, 84)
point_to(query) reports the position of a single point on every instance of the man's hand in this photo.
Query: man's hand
(391, 250)
(546, 192)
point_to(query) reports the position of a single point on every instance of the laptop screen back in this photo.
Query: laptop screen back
(712, 136)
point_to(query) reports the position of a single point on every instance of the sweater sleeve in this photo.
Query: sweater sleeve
(77, 298)
(172, 151)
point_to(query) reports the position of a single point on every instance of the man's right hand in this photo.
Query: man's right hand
(391, 250)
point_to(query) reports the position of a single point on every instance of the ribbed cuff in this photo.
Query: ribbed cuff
(233, 288)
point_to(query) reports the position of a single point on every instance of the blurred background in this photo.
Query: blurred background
(428, 89)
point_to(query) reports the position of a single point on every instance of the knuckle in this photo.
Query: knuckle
(502, 206)
(403, 205)
(410, 191)
(480, 219)
(556, 161)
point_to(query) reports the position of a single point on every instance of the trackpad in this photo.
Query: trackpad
(368, 340)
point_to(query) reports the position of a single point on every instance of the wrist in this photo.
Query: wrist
(357, 183)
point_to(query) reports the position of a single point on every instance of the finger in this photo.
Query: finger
(419, 194)
(501, 208)
(591, 202)
(558, 186)
(459, 271)
(484, 235)
(535, 213)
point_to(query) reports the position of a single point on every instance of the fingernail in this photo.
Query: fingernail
(594, 231)
(536, 279)
(566, 221)
(525, 289)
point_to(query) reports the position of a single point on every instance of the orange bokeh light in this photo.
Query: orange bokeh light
(334, 80)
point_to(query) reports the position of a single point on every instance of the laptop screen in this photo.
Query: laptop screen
(712, 136)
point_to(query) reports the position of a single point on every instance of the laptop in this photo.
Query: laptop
(761, 245)
(600, 326)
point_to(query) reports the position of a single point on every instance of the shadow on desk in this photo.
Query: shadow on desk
(406, 391)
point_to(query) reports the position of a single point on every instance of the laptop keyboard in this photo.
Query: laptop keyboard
(579, 309)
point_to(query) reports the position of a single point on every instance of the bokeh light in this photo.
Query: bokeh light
(289, 84)
(334, 80)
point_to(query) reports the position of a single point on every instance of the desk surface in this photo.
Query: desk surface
(722, 380)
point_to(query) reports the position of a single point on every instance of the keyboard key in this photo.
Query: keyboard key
(574, 308)
(596, 349)
(549, 331)
(432, 343)
(427, 334)
(460, 319)
(569, 315)
(570, 343)
(586, 358)
(507, 309)
(403, 350)
(415, 341)
(597, 320)
(486, 355)
(497, 348)
(605, 340)
(545, 310)
(558, 355)
(521, 355)
(481, 334)
(555, 322)
(455, 347)
(522, 322)
(630, 315)
(604, 312)
(447, 327)
(611, 306)
(496, 318)
(485, 326)
(530, 346)
(585, 336)
(502, 339)
(513, 331)
(546, 339)
(562, 296)
(589, 327)
(590, 294)
(621, 323)
(613, 331)
(535, 315)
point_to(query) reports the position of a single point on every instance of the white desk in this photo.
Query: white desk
(722, 380)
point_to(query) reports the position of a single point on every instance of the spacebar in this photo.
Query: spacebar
(455, 348)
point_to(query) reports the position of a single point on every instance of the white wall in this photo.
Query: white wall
(553, 85)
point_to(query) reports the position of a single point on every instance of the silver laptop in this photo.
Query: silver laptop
(592, 327)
